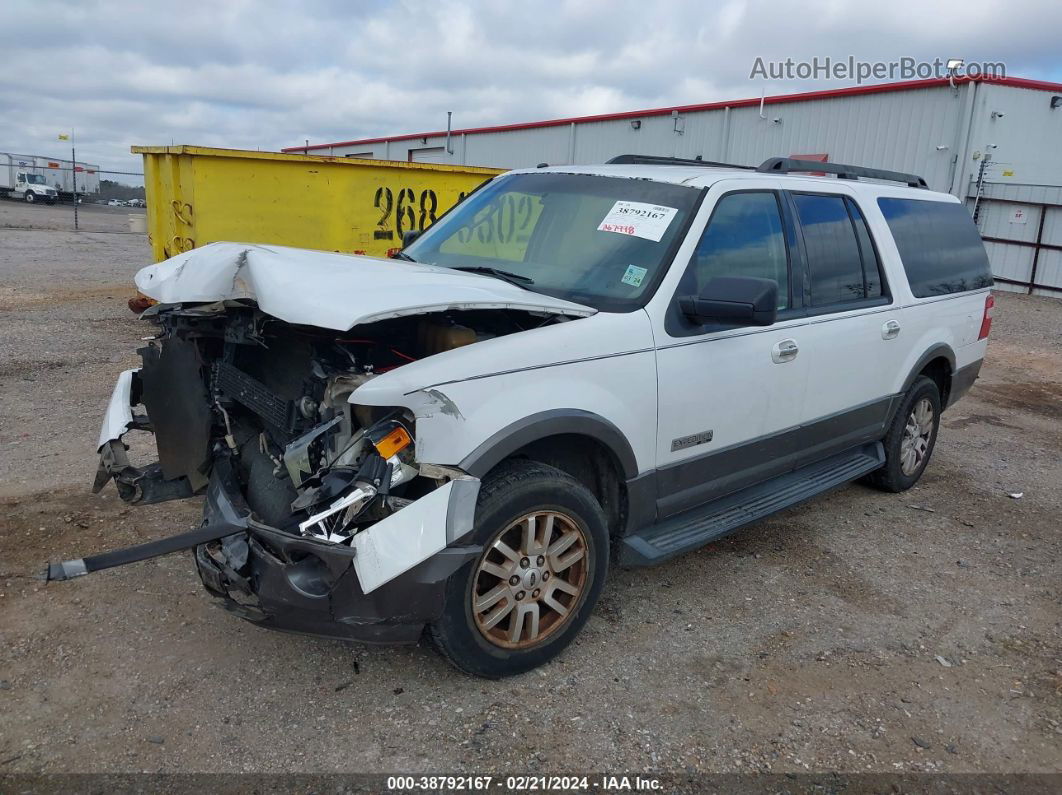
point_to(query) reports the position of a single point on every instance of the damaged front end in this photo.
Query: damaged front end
(366, 590)
(318, 516)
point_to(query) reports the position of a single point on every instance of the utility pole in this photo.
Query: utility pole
(73, 167)
(73, 164)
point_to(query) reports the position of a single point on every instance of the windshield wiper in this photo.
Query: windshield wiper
(513, 278)
(402, 255)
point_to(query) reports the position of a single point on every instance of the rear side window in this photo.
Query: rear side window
(940, 247)
(842, 263)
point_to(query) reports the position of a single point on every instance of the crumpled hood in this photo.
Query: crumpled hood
(336, 291)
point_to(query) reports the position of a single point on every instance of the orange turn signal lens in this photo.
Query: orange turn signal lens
(396, 441)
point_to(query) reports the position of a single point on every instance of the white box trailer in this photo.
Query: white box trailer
(59, 174)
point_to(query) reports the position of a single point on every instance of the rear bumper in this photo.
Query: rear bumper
(286, 582)
(962, 379)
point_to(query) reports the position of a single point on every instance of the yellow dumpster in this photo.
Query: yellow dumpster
(198, 195)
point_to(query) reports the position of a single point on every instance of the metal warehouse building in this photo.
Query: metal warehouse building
(997, 143)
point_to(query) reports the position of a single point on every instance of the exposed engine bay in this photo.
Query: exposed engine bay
(334, 502)
(227, 380)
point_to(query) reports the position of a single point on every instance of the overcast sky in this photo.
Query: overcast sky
(263, 75)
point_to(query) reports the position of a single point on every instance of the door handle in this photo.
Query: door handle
(890, 330)
(784, 351)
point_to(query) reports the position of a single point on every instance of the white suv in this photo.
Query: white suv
(574, 365)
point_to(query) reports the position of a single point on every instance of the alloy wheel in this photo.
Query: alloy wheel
(530, 579)
(916, 437)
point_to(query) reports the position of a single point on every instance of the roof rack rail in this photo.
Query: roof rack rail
(787, 165)
(658, 160)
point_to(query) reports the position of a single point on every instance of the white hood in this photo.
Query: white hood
(336, 291)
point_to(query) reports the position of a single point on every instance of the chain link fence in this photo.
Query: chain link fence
(89, 199)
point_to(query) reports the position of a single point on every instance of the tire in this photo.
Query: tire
(515, 491)
(29, 197)
(904, 465)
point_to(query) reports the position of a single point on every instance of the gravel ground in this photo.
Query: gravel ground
(859, 632)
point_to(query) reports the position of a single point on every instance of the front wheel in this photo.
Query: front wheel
(29, 197)
(911, 437)
(544, 560)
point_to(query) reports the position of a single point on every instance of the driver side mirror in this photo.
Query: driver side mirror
(409, 236)
(734, 300)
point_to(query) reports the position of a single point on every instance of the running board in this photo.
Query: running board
(702, 525)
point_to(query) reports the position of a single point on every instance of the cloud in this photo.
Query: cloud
(272, 73)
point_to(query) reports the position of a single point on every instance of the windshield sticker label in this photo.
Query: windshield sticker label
(634, 276)
(648, 221)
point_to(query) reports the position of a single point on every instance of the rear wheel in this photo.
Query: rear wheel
(911, 437)
(543, 564)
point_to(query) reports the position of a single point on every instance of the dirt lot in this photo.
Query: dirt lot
(860, 632)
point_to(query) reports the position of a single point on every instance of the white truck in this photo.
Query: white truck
(20, 179)
(35, 178)
(577, 367)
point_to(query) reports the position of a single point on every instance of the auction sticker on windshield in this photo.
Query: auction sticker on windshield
(648, 221)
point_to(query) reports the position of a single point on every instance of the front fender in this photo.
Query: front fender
(477, 404)
(477, 422)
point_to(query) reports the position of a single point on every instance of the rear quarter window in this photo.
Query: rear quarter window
(939, 245)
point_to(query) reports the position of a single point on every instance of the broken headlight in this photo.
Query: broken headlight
(342, 494)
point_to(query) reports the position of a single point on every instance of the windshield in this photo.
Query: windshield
(601, 241)
(34, 179)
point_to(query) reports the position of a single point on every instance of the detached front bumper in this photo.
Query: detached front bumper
(365, 592)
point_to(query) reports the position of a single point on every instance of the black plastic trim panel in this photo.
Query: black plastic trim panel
(962, 379)
(936, 352)
(703, 478)
(555, 422)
